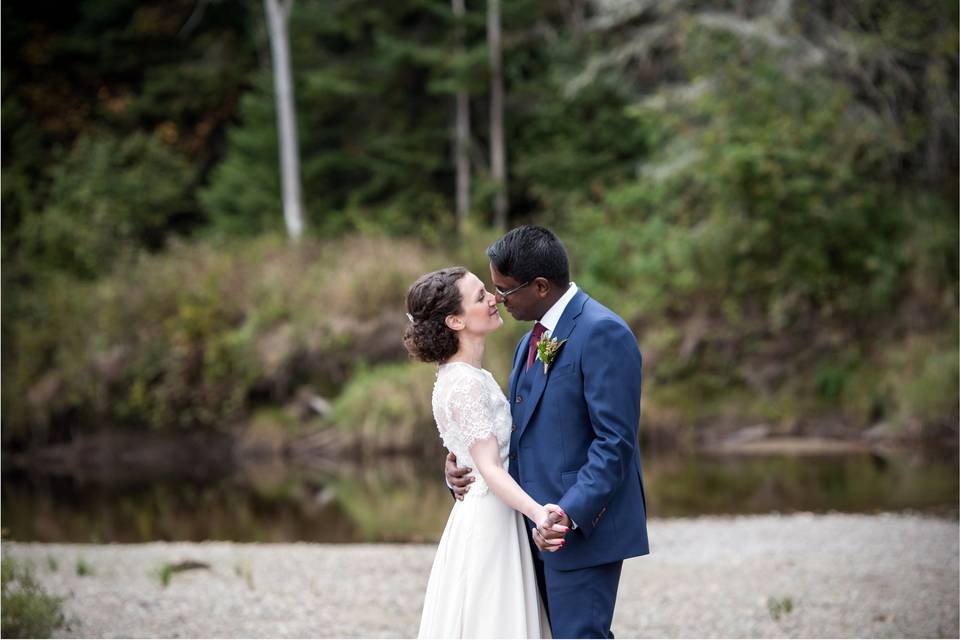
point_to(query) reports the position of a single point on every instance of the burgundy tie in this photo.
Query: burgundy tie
(538, 330)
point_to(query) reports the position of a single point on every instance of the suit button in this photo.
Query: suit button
(519, 399)
(513, 456)
(513, 427)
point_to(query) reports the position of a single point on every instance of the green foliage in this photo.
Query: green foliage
(100, 79)
(372, 136)
(244, 193)
(166, 571)
(559, 161)
(830, 380)
(388, 408)
(770, 200)
(84, 568)
(186, 338)
(164, 574)
(772, 225)
(107, 196)
(376, 154)
(779, 607)
(923, 375)
(26, 608)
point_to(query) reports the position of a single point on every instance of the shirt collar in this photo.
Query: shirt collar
(552, 317)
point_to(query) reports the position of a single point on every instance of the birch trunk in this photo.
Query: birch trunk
(278, 15)
(462, 132)
(498, 160)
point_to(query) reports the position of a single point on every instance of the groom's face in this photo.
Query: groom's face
(523, 304)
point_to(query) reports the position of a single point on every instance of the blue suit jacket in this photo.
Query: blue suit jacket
(574, 440)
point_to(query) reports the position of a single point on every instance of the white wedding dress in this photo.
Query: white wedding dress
(482, 584)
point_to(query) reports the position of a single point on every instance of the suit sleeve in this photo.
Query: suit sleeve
(611, 365)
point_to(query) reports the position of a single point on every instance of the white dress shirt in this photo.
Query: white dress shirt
(552, 317)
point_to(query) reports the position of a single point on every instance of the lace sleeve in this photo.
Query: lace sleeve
(470, 410)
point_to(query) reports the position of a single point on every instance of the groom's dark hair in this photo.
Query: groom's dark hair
(530, 252)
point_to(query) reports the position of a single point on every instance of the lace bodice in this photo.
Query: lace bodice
(468, 406)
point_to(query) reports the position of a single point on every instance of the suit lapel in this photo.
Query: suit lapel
(518, 362)
(564, 328)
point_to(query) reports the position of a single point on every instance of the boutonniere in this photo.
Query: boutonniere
(547, 350)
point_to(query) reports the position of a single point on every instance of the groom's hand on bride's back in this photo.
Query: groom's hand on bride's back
(457, 478)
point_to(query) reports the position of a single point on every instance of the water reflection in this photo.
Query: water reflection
(405, 499)
(686, 486)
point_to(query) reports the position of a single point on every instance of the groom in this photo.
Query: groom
(574, 434)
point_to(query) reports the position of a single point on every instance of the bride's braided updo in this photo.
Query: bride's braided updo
(430, 300)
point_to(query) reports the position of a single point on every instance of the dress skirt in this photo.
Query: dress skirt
(483, 584)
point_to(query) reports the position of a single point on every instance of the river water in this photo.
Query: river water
(405, 500)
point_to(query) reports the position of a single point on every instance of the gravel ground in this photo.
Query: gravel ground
(839, 576)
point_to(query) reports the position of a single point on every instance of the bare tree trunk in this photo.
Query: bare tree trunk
(498, 160)
(462, 134)
(278, 15)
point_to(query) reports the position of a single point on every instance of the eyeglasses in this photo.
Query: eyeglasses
(504, 294)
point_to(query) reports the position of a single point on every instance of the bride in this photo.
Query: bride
(482, 583)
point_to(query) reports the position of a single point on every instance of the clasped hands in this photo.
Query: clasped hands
(552, 524)
(551, 530)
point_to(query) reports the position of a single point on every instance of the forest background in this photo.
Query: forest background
(765, 190)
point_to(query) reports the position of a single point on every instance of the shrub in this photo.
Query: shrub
(388, 408)
(770, 230)
(190, 337)
(27, 610)
(107, 196)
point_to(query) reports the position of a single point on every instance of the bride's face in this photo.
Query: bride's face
(479, 314)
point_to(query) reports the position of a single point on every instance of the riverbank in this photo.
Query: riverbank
(803, 575)
(300, 350)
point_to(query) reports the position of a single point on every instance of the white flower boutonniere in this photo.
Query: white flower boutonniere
(547, 350)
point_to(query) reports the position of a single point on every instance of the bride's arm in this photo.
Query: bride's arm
(472, 413)
(486, 455)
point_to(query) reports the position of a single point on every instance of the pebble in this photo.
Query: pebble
(800, 575)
